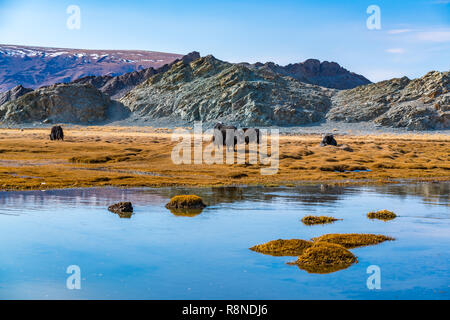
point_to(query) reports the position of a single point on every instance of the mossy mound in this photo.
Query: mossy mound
(312, 220)
(186, 202)
(293, 247)
(325, 258)
(384, 215)
(352, 240)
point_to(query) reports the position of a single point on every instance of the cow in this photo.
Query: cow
(57, 133)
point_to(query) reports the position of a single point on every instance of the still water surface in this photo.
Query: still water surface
(157, 255)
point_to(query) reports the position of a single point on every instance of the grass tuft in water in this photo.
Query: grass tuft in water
(313, 220)
(353, 240)
(186, 202)
(325, 258)
(293, 247)
(384, 215)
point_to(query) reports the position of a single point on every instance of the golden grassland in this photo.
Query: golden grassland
(141, 156)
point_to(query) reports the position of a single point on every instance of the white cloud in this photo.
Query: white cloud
(396, 50)
(434, 36)
(398, 31)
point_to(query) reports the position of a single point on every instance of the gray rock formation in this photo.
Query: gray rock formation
(208, 89)
(118, 86)
(65, 103)
(417, 104)
(13, 94)
(312, 71)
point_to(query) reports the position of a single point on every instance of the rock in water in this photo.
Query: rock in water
(208, 89)
(121, 208)
(64, 103)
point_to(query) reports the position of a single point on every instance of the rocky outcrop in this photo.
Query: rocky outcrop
(208, 89)
(312, 71)
(65, 103)
(418, 104)
(34, 67)
(118, 86)
(13, 94)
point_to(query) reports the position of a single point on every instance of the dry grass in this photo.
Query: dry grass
(384, 215)
(131, 157)
(313, 220)
(293, 247)
(352, 240)
(186, 202)
(325, 258)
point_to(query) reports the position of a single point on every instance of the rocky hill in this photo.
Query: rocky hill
(13, 94)
(63, 103)
(324, 74)
(208, 89)
(33, 67)
(417, 104)
(118, 86)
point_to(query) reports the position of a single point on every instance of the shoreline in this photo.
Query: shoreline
(127, 157)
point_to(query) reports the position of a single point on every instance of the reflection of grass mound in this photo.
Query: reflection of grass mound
(293, 247)
(353, 240)
(186, 202)
(186, 205)
(325, 258)
(312, 220)
(384, 215)
(186, 212)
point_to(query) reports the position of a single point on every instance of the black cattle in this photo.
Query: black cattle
(328, 140)
(225, 135)
(231, 136)
(57, 133)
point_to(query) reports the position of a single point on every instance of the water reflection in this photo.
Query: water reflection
(431, 193)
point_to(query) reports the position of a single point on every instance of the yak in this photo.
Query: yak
(57, 133)
(328, 140)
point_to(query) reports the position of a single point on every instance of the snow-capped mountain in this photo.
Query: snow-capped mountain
(33, 67)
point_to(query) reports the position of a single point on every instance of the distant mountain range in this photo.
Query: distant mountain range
(189, 88)
(33, 67)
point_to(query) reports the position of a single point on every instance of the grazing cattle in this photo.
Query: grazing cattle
(225, 135)
(230, 136)
(328, 140)
(251, 135)
(57, 133)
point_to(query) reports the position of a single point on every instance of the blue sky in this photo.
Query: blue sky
(414, 37)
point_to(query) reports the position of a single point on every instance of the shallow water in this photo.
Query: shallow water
(157, 255)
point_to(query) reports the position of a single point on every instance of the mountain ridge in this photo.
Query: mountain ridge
(34, 67)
